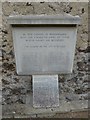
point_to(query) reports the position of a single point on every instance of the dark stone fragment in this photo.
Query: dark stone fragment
(86, 80)
(80, 64)
(5, 31)
(70, 8)
(51, 7)
(7, 59)
(28, 4)
(16, 79)
(16, 91)
(82, 90)
(61, 79)
(5, 81)
(80, 74)
(85, 51)
(85, 62)
(5, 41)
(42, 2)
(8, 66)
(67, 11)
(3, 71)
(88, 60)
(88, 49)
(79, 91)
(11, 53)
(22, 99)
(3, 45)
(68, 99)
(9, 74)
(3, 52)
(83, 10)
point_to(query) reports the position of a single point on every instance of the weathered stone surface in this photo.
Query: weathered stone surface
(45, 91)
(16, 87)
(28, 111)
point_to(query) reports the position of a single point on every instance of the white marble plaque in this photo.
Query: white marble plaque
(45, 91)
(44, 50)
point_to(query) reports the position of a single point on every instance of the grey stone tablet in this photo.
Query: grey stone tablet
(44, 44)
(45, 91)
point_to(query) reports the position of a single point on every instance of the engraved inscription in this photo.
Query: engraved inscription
(30, 39)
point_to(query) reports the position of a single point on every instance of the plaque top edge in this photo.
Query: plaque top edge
(44, 19)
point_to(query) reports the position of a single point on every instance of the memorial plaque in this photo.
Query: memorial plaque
(44, 44)
(45, 91)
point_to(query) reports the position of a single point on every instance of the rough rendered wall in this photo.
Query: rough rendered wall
(72, 87)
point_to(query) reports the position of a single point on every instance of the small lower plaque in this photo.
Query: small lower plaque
(45, 91)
